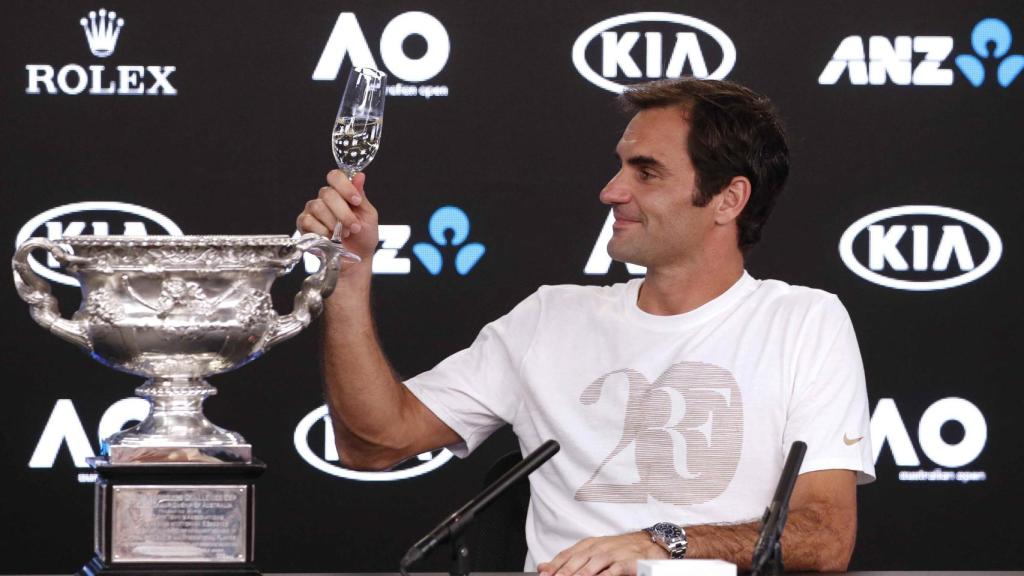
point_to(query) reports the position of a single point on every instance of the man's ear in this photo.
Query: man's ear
(732, 199)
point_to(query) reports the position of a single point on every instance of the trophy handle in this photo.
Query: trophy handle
(310, 300)
(36, 292)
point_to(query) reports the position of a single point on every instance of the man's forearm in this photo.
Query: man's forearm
(811, 541)
(360, 387)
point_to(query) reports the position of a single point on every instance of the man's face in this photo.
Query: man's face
(656, 223)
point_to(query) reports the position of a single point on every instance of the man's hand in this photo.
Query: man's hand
(604, 556)
(346, 202)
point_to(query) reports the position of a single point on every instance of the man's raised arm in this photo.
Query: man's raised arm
(377, 421)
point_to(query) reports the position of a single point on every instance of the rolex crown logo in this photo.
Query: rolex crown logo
(101, 31)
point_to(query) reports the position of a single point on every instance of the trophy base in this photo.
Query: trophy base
(174, 518)
(97, 567)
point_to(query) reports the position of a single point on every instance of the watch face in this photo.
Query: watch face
(668, 530)
(670, 537)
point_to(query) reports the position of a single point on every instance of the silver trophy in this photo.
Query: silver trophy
(176, 491)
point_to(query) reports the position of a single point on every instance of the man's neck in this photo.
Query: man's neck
(677, 289)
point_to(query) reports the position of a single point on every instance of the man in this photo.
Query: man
(675, 398)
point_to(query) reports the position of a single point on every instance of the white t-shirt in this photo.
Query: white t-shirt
(683, 419)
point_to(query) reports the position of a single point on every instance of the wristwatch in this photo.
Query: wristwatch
(670, 537)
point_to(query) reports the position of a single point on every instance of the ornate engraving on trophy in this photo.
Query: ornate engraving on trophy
(102, 305)
(175, 310)
(179, 523)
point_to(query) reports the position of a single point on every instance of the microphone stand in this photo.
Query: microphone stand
(460, 557)
(452, 528)
(768, 549)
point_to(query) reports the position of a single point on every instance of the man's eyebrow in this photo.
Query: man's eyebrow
(645, 162)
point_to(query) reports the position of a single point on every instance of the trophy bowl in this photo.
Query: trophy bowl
(176, 309)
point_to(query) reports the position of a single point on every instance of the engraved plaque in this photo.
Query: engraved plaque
(179, 523)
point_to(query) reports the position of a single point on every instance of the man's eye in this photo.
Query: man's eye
(645, 175)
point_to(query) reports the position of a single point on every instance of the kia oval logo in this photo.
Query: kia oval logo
(920, 248)
(413, 467)
(666, 55)
(99, 218)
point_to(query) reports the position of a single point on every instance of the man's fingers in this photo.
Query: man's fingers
(573, 564)
(319, 210)
(556, 563)
(617, 569)
(337, 180)
(568, 561)
(603, 556)
(307, 223)
(328, 217)
(359, 181)
(339, 208)
(596, 563)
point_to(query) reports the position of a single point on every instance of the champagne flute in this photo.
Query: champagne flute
(357, 128)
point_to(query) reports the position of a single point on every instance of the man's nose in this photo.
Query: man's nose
(615, 192)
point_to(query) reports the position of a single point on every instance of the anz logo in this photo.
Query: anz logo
(98, 218)
(449, 228)
(318, 424)
(920, 60)
(651, 45)
(445, 220)
(991, 40)
(920, 248)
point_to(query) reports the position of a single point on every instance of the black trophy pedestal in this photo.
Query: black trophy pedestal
(178, 519)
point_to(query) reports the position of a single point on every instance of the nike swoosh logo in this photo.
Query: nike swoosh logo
(851, 441)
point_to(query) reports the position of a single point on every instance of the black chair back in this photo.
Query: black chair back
(497, 539)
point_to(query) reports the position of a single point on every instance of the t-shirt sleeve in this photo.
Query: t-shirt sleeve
(829, 406)
(477, 390)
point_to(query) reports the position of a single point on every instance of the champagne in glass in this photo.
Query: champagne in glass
(355, 137)
(355, 142)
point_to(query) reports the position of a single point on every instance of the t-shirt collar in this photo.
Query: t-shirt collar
(713, 307)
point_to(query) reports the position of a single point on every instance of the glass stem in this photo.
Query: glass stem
(336, 234)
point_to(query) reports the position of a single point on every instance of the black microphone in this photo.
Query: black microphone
(768, 547)
(457, 522)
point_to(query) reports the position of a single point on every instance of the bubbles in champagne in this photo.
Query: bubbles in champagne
(355, 141)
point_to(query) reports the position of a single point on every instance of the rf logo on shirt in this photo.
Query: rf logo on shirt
(686, 430)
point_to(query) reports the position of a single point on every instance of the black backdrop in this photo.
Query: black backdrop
(522, 143)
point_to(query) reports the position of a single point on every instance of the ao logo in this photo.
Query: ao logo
(65, 427)
(73, 219)
(937, 237)
(424, 463)
(685, 50)
(347, 39)
(888, 426)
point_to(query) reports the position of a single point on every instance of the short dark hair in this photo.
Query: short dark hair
(734, 131)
